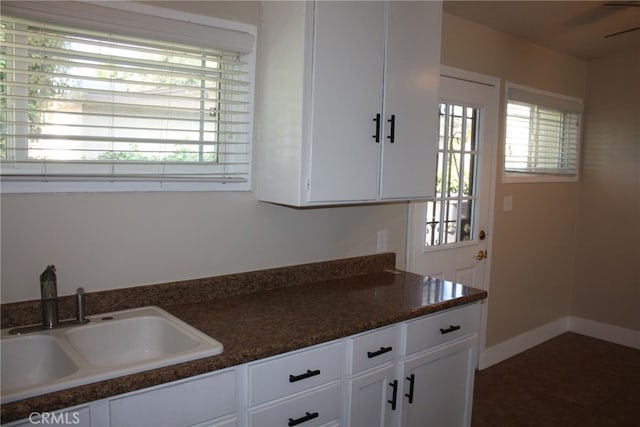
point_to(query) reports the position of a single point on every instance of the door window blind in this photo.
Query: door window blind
(542, 133)
(85, 105)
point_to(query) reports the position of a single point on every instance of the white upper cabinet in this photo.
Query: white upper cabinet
(347, 79)
(348, 101)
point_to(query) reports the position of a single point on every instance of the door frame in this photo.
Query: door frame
(492, 152)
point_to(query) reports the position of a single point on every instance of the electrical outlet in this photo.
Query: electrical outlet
(382, 241)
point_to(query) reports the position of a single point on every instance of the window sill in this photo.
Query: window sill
(523, 178)
(32, 187)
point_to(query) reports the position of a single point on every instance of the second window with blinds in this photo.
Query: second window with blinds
(542, 136)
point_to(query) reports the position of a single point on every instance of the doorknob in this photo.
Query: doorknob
(481, 255)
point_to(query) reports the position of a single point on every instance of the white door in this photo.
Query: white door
(449, 235)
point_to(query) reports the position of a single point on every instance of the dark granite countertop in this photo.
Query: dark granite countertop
(260, 323)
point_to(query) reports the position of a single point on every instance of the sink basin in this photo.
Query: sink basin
(126, 338)
(110, 345)
(33, 360)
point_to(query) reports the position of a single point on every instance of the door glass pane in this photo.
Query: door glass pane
(450, 215)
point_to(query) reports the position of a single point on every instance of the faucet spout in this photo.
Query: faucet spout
(49, 297)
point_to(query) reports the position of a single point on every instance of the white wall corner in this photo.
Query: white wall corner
(604, 331)
(506, 349)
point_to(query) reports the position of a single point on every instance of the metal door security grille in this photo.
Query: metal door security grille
(450, 215)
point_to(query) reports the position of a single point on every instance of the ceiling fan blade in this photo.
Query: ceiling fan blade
(622, 32)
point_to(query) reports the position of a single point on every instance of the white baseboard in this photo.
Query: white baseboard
(511, 347)
(522, 342)
(604, 331)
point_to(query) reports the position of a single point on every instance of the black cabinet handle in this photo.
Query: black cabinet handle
(392, 131)
(411, 379)
(451, 328)
(309, 373)
(309, 416)
(383, 350)
(394, 395)
(377, 135)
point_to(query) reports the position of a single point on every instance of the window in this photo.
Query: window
(450, 215)
(542, 136)
(124, 109)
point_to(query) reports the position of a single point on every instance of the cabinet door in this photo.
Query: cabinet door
(348, 55)
(369, 396)
(411, 98)
(442, 389)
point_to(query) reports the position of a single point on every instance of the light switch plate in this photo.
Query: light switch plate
(507, 203)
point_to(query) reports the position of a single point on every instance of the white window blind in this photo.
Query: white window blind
(542, 133)
(80, 105)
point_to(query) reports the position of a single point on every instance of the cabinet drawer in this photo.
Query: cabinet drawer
(294, 372)
(440, 328)
(312, 409)
(190, 402)
(372, 349)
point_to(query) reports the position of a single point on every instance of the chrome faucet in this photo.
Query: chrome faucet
(49, 297)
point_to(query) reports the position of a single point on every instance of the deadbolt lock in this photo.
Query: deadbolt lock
(482, 235)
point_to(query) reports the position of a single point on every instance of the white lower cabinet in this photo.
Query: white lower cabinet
(191, 402)
(294, 372)
(429, 382)
(298, 388)
(417, 373)
(369, 398)
(437, 386)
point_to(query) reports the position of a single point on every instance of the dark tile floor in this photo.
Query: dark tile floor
(570, 380)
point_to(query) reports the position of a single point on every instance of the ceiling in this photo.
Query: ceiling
(577, 28)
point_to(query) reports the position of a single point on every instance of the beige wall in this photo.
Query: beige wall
(607, 268)
(104, 241)
(532, 252)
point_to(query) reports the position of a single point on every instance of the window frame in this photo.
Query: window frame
(549, 100)
(160, 24)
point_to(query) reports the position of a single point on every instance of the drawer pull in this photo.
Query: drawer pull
(412, 380)
(309, 416)
(383, 350)
(309, 373)
(394, 395)
(451, 328)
